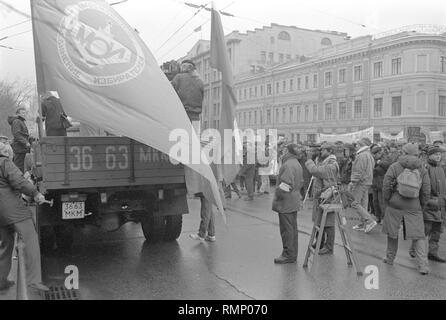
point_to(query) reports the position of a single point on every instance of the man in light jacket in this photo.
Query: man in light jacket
(361, 181)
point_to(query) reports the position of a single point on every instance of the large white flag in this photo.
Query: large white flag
(107, 77)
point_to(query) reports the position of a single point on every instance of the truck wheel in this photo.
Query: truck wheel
(64, 237)
(47, 239)
(174, 225)
(153, 228)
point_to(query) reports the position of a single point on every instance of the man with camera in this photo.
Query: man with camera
(325, 170)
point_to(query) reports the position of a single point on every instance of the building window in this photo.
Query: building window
(255, 91)
(307, 113)
(328, 79)
(284, 86)
(240, 94)
(442, 106)
(263, 56)
(328, 111)
(261, 90)
(443, 64)
(307, 82)
(358, 109)
(421, 101)
(277, 115)
(250, 93)
(288, 57)
(277, 87)
(342, 76)
(284, 36)
(299, 83)
(422, 63)
(396, 106)
(291, 84)
(326, 42)
(378, 107)
(298, 112)
(255, 117)
(291, 114)
(298, 137)
(268, 116)
(315, 112)
(358, 73)
(245, 94)
(271, 57)
(272, 40)
(315, 81)
(280, 57)
(396, 66)
(378, 69)
(269, 89)
(311, 137)
(284, 119)
(342, 110)
(244, 118)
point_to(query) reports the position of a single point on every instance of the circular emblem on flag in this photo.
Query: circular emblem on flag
(97, 46)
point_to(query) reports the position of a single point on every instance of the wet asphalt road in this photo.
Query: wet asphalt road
(238, 266)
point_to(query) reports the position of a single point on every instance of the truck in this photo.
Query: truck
(106, 182)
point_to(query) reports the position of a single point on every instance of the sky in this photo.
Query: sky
(167, 26)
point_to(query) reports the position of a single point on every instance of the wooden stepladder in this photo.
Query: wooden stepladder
(341, 223)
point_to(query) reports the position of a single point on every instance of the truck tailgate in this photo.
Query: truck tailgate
(84, 162)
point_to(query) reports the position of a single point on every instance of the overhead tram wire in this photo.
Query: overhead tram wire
(15, 25)
(179, 29)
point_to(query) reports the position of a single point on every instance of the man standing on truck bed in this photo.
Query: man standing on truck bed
(190, 90)
(20, 144)
(54, 116)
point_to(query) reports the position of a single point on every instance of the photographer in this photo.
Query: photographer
(325, 171)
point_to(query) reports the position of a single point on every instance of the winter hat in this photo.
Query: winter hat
(376, 149)
(328, 146)
(189, 61)
(365, 142)
(411, 149)
(433, 150)
(3, 150)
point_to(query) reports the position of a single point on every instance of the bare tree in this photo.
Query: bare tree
(15, 94)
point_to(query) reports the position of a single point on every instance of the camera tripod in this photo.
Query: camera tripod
(335, 206)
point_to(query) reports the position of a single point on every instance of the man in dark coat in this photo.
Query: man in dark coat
(52, 113)
(190, 89)
(20, 144)
(16, 217)
(288, 197)
(382, 164)
(434, 212)
(325, 172)
(406, 211)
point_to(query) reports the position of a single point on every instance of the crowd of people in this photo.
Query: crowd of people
(390, 184)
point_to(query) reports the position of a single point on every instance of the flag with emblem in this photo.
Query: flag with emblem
(107, 77)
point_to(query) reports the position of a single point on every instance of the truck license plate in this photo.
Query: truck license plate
(73, 210)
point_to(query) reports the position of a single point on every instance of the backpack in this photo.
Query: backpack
(409, 183)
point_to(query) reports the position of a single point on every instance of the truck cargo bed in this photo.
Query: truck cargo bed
(94, 162)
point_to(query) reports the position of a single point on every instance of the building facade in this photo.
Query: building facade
(392, 82)
(256, 51)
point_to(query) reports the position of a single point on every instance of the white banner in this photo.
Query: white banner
(387, 136)
(348, 137)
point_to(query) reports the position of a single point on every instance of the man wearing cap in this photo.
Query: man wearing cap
(288, 202)
(434, 212)
(190, 89)
(325, 171)
(21, 144)
(406, 211)
(16, 217)
(361, 181)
